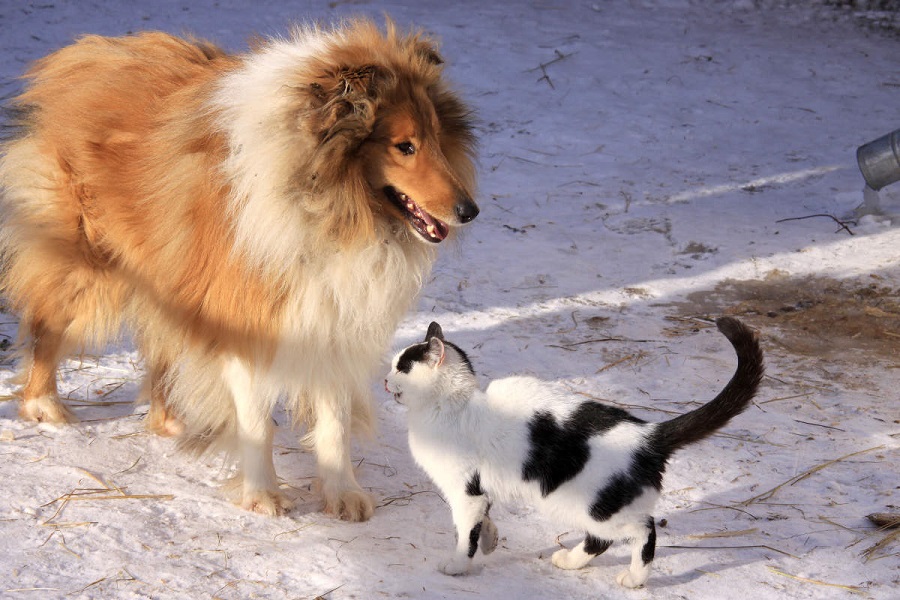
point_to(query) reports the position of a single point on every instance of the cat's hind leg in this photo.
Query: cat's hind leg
(643, 548)
(580, 555)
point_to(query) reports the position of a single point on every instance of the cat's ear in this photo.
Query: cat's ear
(434, 356)
(434, 331)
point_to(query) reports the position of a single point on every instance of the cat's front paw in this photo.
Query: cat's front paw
(630, 580)
(456, 566)
(560, 559)
(489, 536)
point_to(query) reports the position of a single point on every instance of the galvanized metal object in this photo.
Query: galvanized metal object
(879, 160)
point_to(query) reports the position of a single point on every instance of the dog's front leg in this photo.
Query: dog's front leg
(253, 413)
(343, 496)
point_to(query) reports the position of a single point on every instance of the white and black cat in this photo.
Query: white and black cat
(584, 464)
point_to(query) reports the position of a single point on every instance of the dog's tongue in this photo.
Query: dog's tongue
(435, 228)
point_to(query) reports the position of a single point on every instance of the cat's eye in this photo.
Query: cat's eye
(406, 148)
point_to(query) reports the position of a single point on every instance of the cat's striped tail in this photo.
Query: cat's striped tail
(731, 401)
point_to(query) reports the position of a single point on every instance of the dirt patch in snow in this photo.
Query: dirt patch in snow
(815, 316)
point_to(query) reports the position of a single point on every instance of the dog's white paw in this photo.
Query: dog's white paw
(266, 502)
(46, 409)
(349, 505)
(456, 566)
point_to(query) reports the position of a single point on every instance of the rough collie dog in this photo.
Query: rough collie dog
(260, 222)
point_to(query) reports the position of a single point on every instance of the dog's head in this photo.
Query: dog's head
(385, 119)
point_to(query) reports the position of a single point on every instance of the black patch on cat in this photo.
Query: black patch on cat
(559, 452)
(414, 354)
(473, 486)
(649, 549)
(646, 470)
(596, 546)
(473, 539)
(462, 355)
(619, 493)
(417, 353)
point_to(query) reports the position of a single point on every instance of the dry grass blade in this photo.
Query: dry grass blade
(133, 465)
(78, 403)
(871, 552)
(874, 551)
(636, 357)
(96, 478)
(126, 497)
(322, 596)
(109, 491)
(749, 547)
(404, 499)
(91, 584)
(123, 436)
(791, 397)
(850, 588)
(796, 479)
(301, 528)
(624, 405)
(723, 534)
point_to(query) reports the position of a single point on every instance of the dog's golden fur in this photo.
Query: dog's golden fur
(260, 222)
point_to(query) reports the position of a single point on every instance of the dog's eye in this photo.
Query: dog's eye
(406, 148)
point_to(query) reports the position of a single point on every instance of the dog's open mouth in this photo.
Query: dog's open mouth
(430, 228)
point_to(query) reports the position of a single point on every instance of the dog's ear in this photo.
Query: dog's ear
(359, 80)
(344, 99)
(428, 52)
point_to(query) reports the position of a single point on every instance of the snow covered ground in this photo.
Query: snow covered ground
(637, 162)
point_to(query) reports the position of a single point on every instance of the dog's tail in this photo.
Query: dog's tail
(702, 422)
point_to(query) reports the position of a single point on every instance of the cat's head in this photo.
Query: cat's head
(431, 371)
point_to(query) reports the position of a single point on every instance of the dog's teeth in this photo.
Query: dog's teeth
(430, 230)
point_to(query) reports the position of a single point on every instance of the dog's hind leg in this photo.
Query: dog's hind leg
(160, 418)
(255, 430)
(40, 399)
(343, 496)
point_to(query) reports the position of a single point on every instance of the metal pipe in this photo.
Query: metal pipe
(879, 160)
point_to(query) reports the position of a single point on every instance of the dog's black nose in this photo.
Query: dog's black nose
(466, 209)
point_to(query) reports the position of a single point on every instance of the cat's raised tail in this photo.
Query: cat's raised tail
(691, 427)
